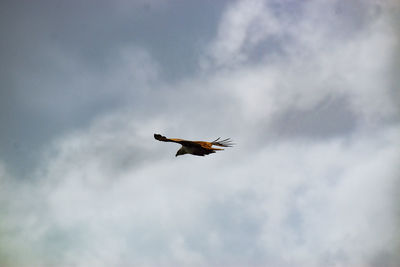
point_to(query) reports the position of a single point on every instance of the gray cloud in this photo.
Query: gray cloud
(65, 63)
(330, 118)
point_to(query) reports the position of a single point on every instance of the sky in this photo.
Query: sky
(308, 91)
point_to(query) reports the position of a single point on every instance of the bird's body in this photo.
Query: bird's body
(198, 148)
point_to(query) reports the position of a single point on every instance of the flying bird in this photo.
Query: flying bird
(198, 148)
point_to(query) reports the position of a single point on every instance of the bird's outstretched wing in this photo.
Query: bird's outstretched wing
(183, 142)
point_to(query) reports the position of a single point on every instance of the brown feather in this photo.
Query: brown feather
(198, 148)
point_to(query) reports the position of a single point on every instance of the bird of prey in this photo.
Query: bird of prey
(198, 148)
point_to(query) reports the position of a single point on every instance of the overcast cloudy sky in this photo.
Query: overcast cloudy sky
(309, 91)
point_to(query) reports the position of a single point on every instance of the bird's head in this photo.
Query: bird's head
(181, 151)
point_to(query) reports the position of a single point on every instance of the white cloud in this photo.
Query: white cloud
(244, 25)
(318, 61)
(291, 203)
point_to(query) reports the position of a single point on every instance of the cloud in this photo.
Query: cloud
(66, 63)
(286, 197)
(244, 25)
(312, 181)
(317, 61)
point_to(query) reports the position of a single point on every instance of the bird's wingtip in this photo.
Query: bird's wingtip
(159, 137)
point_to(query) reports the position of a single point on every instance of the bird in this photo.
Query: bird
(197, 148)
